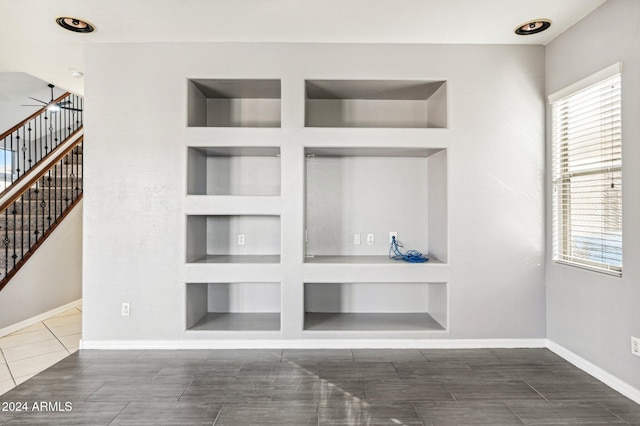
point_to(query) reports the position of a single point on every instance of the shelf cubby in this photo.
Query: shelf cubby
(233, 103)
(233, 306)
(362, 191)
(375, 306)
(243, 171)
(376, 103)
(215, 239)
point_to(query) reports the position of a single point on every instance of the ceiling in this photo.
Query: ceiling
(31, 42)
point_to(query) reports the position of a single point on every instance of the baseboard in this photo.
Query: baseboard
(607, 378)
(38, 318)
(315, 344)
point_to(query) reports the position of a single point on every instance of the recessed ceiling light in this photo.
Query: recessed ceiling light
(76, 73)
(75, 25)
(533, 27)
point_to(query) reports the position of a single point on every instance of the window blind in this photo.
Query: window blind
(587, 177)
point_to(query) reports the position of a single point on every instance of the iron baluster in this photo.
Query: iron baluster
(13, 165)
(46, 135)
(29, 150)
(5, 242)
(28, 218)
(49, 190)
(14, 213)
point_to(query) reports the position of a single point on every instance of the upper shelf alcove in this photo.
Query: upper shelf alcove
(233, 103)
(376, 103)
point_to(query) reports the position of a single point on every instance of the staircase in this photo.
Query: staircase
(43, 175)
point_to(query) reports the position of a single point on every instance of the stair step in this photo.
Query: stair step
(10, 226)
(30, 207)
(19, 244)
(44, 194)
(61, 182)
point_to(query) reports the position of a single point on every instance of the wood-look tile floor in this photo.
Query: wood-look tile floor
(317, 387)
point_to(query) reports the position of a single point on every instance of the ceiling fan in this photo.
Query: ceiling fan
(53, 106)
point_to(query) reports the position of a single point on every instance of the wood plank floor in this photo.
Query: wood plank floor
(316, 387)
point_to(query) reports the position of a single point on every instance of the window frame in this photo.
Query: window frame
(563, 199)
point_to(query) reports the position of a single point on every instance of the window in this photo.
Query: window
(587, 173)
(6, 167)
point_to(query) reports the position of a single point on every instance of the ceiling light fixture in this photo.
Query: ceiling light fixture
(74, 24)
(533, 27)
(76, 73)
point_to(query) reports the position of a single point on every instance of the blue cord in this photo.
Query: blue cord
(411, 256)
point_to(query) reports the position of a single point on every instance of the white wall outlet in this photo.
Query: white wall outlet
(356, 239)
(393, 234)
(126, 309)
(371, 239)
(635, 345)
(240, 239)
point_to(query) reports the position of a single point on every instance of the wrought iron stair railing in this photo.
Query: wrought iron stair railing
(29, 216)
(29, 142)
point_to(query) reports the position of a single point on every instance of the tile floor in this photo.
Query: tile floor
(411, 387)
(27, 352)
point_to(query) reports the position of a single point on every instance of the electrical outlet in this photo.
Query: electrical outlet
(371, 239)
(635, 345)
(356, 239)
(393, 234)
(240, 239)
(126, 309)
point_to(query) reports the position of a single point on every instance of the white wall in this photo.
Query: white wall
(51, 278)
(134, 239)
(15, 89)
(591, 314)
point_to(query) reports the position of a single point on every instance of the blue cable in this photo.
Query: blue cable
(411, 256)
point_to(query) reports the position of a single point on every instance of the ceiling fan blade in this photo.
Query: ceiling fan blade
(39, 106)
(63, 103)
(70, 109)
(38, 100)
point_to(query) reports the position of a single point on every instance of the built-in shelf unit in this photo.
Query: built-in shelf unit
(278, 221)
(376, 103)
(233, 239)
(243, 171)
(375, 306)
(233, 306)
(233, 103)
(352, 193)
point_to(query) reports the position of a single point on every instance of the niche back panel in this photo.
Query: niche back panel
(233, 103)
(376, 103)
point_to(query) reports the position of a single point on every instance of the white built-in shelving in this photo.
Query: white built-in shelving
(367, 161)
(233, 306)
(233, 103)
(244, 171)
(376, 103)
(361, 306)
(353, 193)
(233, 239)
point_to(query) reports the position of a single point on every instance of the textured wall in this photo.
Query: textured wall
(50, 279)
(136, 177)
(592, 314)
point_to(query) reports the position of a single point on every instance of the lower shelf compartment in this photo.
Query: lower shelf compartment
(370, 322)
(239, 322)
(237, 306)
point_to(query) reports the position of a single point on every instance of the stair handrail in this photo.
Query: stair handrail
(35, 138)
(5, 204)
(39, 183)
